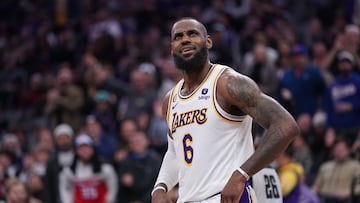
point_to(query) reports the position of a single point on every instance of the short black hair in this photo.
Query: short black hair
(202, 26)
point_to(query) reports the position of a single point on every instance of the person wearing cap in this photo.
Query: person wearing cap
(105, 111)
(342, 99)
(302, 86)
(63, 157)
(88, 179)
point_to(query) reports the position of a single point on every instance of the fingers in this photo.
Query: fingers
(229, 199)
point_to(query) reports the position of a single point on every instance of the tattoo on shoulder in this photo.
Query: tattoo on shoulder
(240, 88)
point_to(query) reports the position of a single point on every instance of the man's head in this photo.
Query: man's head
(299, 55)
(16, 191)
(93, 127)
(345, 63)
(341, 150)
(189, 44)
(285, 157)
(63, 134)
(139, 143)
(84, 147)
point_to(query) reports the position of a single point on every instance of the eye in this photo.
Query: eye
(192, 33)
(177, 37)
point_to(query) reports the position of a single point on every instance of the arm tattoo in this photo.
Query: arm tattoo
(241, 89)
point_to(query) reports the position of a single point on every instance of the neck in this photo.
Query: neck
(194, 79)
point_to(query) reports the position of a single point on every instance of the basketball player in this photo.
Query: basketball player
(209, 113)
(267, 186)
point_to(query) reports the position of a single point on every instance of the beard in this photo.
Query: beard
(193, 65)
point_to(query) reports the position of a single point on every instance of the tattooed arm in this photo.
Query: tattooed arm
(238, 92)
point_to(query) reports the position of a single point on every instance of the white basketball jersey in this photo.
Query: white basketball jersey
(266, 184)
(209, 142)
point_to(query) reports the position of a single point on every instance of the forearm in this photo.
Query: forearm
(168, 173)
(275, 141)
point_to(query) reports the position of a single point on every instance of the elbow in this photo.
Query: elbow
(293, 131)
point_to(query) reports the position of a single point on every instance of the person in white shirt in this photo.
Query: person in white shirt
(88, 179)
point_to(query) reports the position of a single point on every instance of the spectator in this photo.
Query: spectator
(304, 123)
(105, 144)
(334, 177)
(290, 174)
(302, 154)
(16, 192)
(10, 143)
(62, 158)
(88, 179)
(64, 101)
(104, 111)
(303, 85)
(138, 172)
(322, 57)
(352, 42)
(158, 129)
(342, 99)
(128, 127)
(33, 99)
(261, 68)
(138, 103)
(41, 156)
(8, 163)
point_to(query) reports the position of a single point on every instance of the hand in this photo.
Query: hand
(53, 96)
(343, 107)
(286, 94)
(160, 196)
(127, 180)
(233, 188)
(341, 195)
(339, 42)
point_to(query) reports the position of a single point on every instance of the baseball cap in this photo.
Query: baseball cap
(148, 68)
(102, 96)
(83, 139)
(299, 50)
(319, 119)
(352, 28)
(63, 129)
(10, 138)
(345, 55)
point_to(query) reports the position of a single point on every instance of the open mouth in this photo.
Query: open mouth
(187, 51)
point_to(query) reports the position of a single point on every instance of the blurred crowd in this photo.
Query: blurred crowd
(100, 68)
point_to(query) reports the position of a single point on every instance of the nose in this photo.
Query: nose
(185, 39)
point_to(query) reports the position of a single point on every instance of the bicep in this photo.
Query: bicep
(242, 92)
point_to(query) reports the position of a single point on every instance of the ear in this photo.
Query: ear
(209, 42)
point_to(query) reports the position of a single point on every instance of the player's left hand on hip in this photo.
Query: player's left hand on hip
(233, 188)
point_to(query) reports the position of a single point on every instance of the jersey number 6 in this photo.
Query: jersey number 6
(188, 150)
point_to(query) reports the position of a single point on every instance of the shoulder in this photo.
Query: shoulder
(314, 70)
(107, 168)
(356, 77)
(327, 165)
(236, 87)
(66, 172)
(165, 102)
(354, 163)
